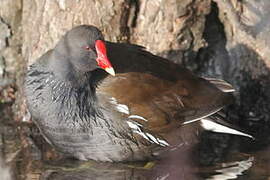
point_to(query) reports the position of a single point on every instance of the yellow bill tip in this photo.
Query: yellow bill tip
(110, 70)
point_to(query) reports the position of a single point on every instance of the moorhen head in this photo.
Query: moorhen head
(149, 106)
(80, 51)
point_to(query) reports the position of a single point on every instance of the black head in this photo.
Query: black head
(81, 47)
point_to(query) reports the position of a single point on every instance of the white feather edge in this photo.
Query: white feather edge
(198, 119)
(221, 84)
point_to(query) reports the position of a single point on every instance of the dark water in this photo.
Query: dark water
(240, 166)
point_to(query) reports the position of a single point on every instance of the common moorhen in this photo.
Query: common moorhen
(145, 108)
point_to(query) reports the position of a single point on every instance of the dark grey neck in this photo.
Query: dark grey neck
(78, 101)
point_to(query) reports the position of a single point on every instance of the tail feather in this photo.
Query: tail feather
(221, 84)
(210, 125)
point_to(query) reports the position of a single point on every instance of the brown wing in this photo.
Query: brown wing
(157, 94)
(162, 104)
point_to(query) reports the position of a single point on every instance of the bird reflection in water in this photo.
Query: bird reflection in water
(232, 170)
(173, 167)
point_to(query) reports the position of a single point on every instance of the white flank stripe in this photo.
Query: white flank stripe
(152, 138)
(134, 126)
(113, 101)
(142, 134)
(122, 108)
(228, 90)
(215, 127)
(163, 142)
(137, 117)
(136, 129)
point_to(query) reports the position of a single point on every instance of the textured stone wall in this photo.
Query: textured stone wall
(171, 27)
(45, 21)
(10, 37)
(158, 25)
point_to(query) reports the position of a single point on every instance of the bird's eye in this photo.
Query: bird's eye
(87, 48)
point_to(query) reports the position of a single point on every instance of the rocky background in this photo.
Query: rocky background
(214, 38)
